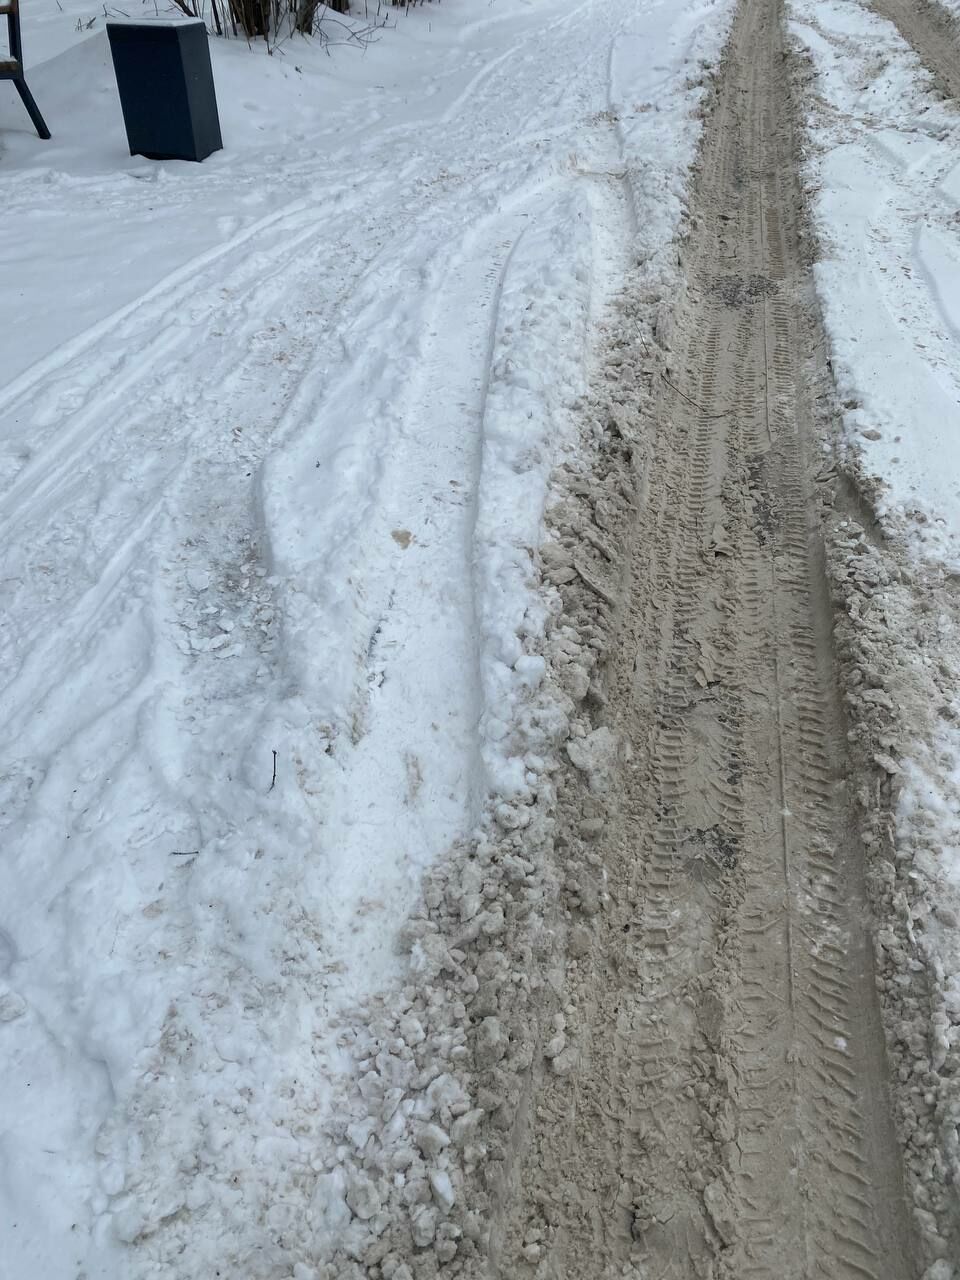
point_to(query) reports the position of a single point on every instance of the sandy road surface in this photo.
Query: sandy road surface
(728, 1114)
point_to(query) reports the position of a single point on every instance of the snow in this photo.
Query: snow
(276, 434)
(886, 217)
(153, 20)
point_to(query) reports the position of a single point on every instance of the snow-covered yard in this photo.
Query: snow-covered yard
(276, 438)
(278, 433)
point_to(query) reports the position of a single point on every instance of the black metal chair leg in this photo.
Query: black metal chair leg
(32, 109)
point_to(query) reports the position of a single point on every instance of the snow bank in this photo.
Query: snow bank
(533, 378)
(885, 182)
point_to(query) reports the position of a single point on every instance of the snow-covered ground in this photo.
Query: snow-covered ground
(887, 187)
(275, 439)
(883, 175)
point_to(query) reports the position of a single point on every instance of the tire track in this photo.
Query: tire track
(932, 33)
(729, 1114)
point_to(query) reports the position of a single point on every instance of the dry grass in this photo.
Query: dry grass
(272, 20)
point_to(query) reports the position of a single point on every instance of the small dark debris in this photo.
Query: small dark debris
(724, 847)
(765, 522)
(742, 291)
(712, 852)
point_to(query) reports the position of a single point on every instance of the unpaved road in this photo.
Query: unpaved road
(728, 1115)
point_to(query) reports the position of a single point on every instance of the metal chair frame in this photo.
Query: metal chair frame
(11, 67)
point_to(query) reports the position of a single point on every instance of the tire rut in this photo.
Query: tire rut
(932, 33)
(729, 1113)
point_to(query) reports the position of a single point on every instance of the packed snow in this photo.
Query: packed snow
(886, 188)
(276, 434)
